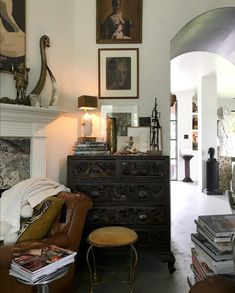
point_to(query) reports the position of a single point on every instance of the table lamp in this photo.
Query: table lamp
(87, 103)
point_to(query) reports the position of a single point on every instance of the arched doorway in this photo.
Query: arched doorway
(212, 31)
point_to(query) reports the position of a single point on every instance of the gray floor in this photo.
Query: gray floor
(187, 202)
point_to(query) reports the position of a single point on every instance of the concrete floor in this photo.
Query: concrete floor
(152, 276)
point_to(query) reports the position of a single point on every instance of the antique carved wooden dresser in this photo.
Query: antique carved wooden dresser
(127, 190)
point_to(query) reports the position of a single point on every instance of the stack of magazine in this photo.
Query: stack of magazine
(91, 148)
(40, 264)
(212, 251)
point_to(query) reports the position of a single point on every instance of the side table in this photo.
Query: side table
(107, 237)
(42, 285)
(187, 159)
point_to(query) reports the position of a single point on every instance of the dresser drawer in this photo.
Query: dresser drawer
(148, 193)
(144, 169)
(88, 170)
(128, 215)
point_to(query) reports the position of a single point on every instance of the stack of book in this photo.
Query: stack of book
(212, 251)
(90, 148)
(40, 264)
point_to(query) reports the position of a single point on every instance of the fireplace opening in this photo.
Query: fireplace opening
(14, 160)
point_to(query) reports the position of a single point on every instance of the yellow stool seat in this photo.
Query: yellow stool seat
(112, 237)
(107, 237)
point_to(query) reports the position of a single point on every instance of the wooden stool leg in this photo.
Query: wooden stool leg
(92, 268)
(133, 262)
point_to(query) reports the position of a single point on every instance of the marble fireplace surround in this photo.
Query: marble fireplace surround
(29, 122)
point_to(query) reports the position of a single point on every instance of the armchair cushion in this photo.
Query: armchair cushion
(37, 226)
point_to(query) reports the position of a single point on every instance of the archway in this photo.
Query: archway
(212, 31)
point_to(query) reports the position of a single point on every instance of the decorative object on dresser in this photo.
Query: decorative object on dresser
(155, 131)
(87, 103)
(125, 116)
(128, 190)
(141, 137)
(111, 135)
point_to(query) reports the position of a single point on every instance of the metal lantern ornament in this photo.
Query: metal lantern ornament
(155, 131)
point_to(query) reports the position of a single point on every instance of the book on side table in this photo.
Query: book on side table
(39, 264)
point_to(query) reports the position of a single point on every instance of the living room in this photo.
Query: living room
(73, 58)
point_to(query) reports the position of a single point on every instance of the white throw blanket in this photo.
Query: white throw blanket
(30, 191)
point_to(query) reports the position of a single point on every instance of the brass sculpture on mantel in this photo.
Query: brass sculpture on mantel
(21, 79)
(44, 43)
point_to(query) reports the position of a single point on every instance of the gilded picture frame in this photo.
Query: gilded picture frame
(118, 21)
(13, 40)
(118, 73)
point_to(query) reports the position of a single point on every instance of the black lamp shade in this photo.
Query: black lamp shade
(87, 102)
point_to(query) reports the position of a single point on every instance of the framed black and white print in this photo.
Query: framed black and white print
(118, 73)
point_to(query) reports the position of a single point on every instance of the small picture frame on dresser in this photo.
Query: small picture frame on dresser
(123, 113)
(141, 137)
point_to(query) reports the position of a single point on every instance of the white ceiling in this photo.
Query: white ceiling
(187, 69)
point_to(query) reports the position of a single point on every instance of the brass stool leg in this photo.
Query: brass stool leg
(133, 262)
(93, 273)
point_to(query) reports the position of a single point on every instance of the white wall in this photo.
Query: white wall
(73, 57)
(207, 105)
(184, 104)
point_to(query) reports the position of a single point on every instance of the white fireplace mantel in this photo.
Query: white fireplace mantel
(29, 122)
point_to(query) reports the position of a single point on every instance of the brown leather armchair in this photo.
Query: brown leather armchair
(217, 284)
(65, 233)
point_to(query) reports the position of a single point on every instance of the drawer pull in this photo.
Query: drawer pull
(94, 194)
(142, 217)
(142, 194)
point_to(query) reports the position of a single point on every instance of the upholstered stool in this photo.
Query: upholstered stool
(108, 237)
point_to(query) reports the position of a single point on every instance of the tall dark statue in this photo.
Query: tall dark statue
(212, 174)
(155, 129)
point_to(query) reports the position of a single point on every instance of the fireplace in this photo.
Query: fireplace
(28, 123)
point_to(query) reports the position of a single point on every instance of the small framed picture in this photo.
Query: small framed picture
(125, 116)
(118, 21)
(118, 73)
(141, 137)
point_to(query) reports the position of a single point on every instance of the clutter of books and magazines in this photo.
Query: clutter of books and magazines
(213, 249)
(37, 265)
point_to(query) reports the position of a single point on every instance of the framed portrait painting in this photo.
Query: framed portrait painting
(12, 34)
(118, 73)
(118, 21)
